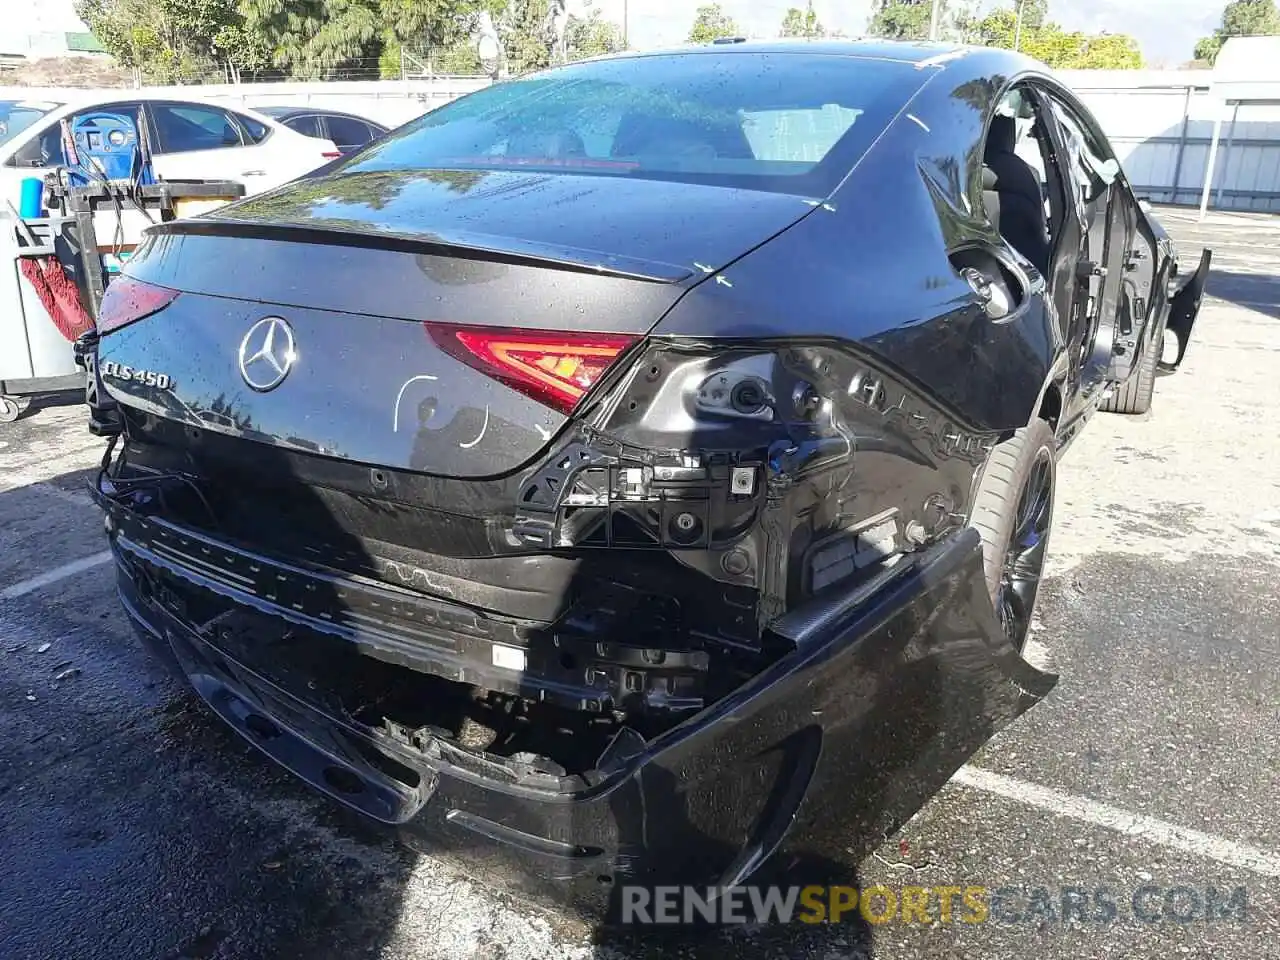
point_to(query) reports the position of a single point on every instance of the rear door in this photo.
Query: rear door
(308, 124)
(1117, 266)
(195, 141)
(348, 133)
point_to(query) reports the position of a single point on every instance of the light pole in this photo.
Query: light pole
(1017, 27)
(626, 20)
(933, 19)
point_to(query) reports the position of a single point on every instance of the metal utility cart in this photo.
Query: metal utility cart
(35, 356)
(36, 345)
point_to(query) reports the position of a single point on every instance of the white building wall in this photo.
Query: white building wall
(37, 28)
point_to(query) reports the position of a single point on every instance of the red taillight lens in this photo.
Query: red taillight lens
(331, 154)
(126, 300)
(552, 367)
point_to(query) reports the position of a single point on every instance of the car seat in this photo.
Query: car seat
(1011, 193)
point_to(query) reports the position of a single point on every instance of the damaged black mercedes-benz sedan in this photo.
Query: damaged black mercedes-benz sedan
(640, 471)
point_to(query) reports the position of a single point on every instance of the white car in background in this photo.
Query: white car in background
(191, 138)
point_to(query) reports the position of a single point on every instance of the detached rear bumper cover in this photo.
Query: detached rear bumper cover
(810, 765)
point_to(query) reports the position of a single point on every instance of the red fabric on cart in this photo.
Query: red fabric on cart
(58, 294)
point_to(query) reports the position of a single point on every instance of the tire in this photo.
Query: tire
(11, 408)
(1134, 395)
(1019, 483)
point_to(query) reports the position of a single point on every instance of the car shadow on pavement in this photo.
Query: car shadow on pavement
(1254, 291)
(136, 825)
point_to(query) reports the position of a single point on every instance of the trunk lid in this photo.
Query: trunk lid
(345, 276)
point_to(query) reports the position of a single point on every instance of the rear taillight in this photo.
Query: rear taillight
(554, 368)
(331, 154)
(126, 300)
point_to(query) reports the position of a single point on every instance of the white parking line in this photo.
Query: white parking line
(1161, 832)
(1251, 304)
(49, 577)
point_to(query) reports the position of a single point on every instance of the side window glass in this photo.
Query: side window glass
(184, 127)
(51, 147)
(257, 131)
(308, 126)
(348, 133)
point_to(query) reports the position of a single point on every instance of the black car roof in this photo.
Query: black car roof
(980, 60)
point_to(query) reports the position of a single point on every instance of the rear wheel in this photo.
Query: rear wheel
(1013, 513)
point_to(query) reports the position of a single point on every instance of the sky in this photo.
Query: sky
(1167, 30)
(35, 16)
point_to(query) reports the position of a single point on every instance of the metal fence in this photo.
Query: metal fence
(1161, 125)
(391, 102)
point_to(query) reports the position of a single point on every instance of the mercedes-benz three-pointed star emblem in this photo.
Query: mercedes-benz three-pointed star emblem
(267, 354)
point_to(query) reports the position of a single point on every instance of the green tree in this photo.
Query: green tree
(527, 39)
(437, 32)
(1049, 43)
(589, 35)
(316, 38)
(1034, 13)
(957, 19)
(711, 23)
(1242, 18)
(325, 38)
(243, 51)
(429, 24)
(802, 23)
(165, 41)
(902, 19)
(1111, 51)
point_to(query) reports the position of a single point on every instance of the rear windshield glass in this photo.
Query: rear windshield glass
(788, 122)
(17, 115)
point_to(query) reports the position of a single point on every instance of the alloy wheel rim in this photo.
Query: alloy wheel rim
(1024, 555)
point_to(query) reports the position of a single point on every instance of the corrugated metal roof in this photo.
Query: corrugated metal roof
(84, 43)
(1248, 70)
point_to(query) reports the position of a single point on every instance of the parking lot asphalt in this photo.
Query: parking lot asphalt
(133, 825)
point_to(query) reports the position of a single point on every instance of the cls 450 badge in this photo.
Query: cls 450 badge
(149, 378)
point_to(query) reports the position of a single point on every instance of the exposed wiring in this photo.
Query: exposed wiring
(155, 483)
(106, 458)
(124, 486)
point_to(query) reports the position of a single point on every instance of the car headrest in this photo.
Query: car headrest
(989, 179)
(642, 133)
(555, 144)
